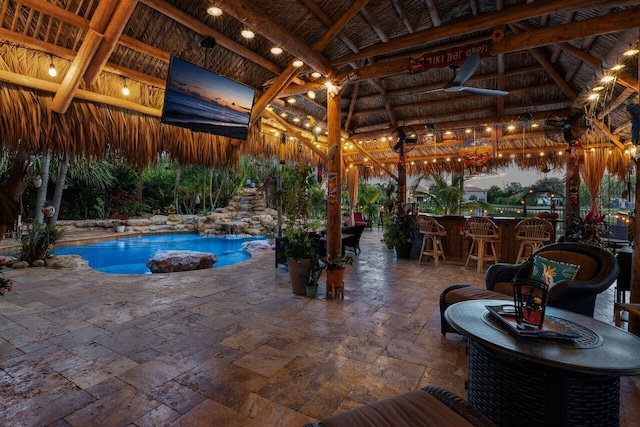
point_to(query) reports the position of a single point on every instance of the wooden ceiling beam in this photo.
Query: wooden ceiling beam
(69, 55)
(549, 68)
(352, 106)
(259, 22)
(433, 13)
(285, 78)
(306, 141)
(117, 21)
(58, 12)
(594, 62)
(51, 87)
(610, 23)
(199, 27)
(482, 21)
(402, 16)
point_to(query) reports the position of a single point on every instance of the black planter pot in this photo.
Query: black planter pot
(404, 251)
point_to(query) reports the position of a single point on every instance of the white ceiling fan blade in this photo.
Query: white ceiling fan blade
(468, 67)
(483, 92)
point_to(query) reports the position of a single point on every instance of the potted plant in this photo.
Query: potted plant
(314, 277)
(5, 284)
(335, 265)
(399, 233)
(120, 222)
(37, 241)
(300, 250)
(119, 227)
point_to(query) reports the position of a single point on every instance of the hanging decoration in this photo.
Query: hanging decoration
(314, 130)
(476, 153)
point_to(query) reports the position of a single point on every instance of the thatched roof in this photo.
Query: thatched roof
(547, 54)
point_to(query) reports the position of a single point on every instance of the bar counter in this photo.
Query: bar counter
(456, 245)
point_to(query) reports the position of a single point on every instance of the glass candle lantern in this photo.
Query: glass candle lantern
(530, 300)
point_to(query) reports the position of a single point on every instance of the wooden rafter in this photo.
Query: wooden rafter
(622, 20)
(467, 25)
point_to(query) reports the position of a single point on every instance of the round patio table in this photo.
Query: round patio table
(522, 381)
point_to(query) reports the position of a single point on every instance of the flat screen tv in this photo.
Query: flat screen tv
(204, 101)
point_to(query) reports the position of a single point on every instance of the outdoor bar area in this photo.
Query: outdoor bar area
(447, 189)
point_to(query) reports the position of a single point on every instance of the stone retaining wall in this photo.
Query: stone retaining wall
(246, 214)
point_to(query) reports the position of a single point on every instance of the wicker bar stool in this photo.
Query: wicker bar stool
(533, 233)
(432, 241)
(484, 234)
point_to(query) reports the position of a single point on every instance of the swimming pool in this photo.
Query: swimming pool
(129, 255)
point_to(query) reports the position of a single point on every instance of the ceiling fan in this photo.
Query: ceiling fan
(464, 72)
(565, 125)
(403, 136)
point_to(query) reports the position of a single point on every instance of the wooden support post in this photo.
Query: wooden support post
(402, 184)
(634, 322)
(334, 176)
(572, 200)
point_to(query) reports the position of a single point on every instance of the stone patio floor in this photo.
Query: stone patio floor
(231, 346)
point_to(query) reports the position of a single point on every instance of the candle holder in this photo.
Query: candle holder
(530, 300)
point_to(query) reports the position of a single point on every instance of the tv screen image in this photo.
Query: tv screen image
(204, 101)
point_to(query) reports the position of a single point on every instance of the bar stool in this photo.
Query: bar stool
(483, 233)
(432, 240)
(533, 233)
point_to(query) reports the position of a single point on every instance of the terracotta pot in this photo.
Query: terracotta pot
(335, 276)
(299, 272)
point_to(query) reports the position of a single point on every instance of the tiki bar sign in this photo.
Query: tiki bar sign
(443, 58)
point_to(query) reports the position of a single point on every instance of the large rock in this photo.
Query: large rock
(172, 261)
(72, 262)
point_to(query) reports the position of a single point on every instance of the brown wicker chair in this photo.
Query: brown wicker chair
(598, 270)
(533, 233)
(432, 241)
(430, 406)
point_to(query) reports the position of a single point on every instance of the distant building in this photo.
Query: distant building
(475, 193)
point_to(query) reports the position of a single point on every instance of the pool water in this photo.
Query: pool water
(129, 255)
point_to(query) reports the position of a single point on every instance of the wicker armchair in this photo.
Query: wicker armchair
(430, 406)
(598, 270)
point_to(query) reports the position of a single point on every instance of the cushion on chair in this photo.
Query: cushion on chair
(588, 266)
(551, 272)
(415, 408)
(471, 293)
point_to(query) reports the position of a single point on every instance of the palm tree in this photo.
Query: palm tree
(446, 199)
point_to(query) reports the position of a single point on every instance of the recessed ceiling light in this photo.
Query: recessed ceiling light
(607, 78)
(291, 100)
(631, 52)
(248, 34)
(617, 67)
(311, 94)
(593, 97)
(297, 63)
(276, 50)
(296, 119)
(316, 75)
(214, 11)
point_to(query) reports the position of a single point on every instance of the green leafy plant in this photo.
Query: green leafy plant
(299, 244)
(5, 284)
(399, 230)
(337, 261)
(37, 241)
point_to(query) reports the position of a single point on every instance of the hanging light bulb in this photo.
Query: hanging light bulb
(125, 88)
(52, 68)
